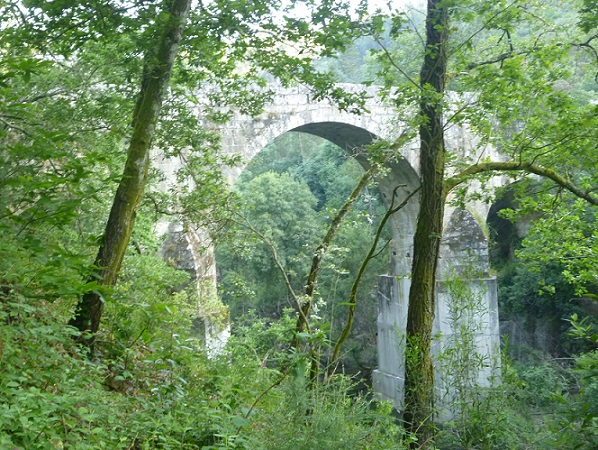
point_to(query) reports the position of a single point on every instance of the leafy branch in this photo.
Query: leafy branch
(371, 255)
(333, 229)
(245, 223)
(511, 166)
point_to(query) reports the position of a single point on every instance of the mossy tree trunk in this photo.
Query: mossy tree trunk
(419, 376)
(156, 76)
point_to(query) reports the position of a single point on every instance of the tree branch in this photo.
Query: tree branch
(500, 58)
(483, 27)
(35, 98)
(275, 256)
(513, 166)
(333, 229)
(392, 61)
(504, 56)
(371, 255)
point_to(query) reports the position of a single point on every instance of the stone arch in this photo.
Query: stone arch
(392, 313)
(400, 180)
(401, 173)
(508, 234)
(293, 110)
(464, 245)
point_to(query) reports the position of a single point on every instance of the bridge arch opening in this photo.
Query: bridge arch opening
(352, 139)
(534, 297)
(335, 150)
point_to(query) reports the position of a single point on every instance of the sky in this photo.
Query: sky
(384, 4)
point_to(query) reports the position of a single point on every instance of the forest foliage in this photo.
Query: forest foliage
(70, 78)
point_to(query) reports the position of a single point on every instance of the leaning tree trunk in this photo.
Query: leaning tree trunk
(156, 76)
(419, 376)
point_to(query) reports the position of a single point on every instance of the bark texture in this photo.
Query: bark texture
(156, 76)
(419, 376)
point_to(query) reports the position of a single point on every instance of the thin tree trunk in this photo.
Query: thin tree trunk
(310, 288)
(157, 70)
(419, 375)
(355, 286)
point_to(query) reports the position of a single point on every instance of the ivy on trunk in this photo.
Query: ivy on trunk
(419, 376)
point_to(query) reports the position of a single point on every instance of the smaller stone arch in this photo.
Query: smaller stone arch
(464, 246)
(523, 328)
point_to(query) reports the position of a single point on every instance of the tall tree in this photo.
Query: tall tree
(426, 244)
(508, 70)
(156, 76)
(220, 46)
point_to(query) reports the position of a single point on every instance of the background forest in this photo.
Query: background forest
(97, 358)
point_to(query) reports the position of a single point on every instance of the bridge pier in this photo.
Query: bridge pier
(192, 251)
(393, 300)
(466, 345)
(478, 312)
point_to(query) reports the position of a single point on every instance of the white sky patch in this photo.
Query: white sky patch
(388, 5)
(302, 11)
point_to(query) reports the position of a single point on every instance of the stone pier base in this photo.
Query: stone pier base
(468, 322)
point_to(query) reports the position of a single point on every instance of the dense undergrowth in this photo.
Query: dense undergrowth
(148, 384)
(160, 391)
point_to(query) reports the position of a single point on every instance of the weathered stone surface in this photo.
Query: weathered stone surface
(393, 300)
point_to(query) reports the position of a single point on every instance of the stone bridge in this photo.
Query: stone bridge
(464, 244)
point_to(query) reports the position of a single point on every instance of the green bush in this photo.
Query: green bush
(542, 384)
(51, 395)
(161, 392)
(322, 417)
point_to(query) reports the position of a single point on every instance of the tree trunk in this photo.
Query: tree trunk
(419, 376)
(156, 76)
